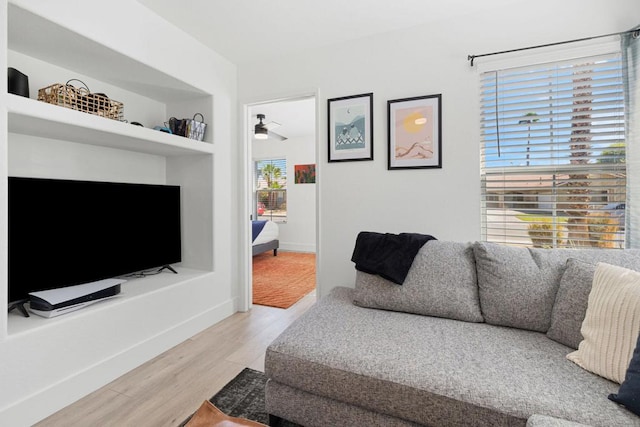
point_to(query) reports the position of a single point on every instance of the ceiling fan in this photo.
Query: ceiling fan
(264, 130)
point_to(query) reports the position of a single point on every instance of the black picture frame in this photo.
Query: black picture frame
(415, 132)
(350, 128)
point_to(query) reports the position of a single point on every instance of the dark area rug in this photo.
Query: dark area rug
(243, 397)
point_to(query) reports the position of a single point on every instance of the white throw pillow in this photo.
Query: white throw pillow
(611, 324)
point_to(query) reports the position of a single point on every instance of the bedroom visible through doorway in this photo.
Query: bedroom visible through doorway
(283, 200)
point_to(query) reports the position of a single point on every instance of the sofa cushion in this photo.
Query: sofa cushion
(612, 323)
(570, 305)
(514, 290)
(518, 286)
(441, 282)
(436, 371)
(629, 393)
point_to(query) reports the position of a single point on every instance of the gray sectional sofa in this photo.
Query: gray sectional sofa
(476, 336)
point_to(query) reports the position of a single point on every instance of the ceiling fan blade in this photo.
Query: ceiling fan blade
(277, 136)
(272, 125)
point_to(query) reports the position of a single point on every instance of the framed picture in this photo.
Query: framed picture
(351, 128)
(415, 137)
(305, 174)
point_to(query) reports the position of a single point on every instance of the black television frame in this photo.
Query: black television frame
(84, 231)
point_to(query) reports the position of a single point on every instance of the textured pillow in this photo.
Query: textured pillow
(571, 303)
(441, 282)
(611, 324)
(629, 393)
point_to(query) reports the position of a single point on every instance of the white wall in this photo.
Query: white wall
(424, 60)
(299, 232)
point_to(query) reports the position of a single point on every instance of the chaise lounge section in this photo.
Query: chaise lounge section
(465, 341)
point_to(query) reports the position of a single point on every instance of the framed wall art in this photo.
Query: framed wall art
(305, 174)
(415, 136)
(350, 130)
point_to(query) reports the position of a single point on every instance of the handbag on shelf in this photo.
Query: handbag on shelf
(189, 128)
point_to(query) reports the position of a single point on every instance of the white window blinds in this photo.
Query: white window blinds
(553, 154)
(270, 199)
(271, 173)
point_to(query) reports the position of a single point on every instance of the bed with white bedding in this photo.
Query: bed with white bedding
(264, 236)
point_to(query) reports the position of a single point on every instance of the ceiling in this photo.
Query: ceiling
(246, 31)
(249, 30)
(296, 117)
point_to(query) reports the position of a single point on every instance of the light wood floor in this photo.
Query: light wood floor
(167, 389)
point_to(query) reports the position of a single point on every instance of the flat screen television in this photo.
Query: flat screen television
(65, 232)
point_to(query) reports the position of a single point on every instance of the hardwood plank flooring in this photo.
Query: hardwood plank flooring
(167, 389)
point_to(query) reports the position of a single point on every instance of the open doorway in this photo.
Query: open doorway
(281, 161)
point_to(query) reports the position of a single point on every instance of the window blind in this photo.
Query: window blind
(271, 171)
(553, 168)
(270, 197)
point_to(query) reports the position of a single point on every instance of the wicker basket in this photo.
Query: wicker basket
(81, 99)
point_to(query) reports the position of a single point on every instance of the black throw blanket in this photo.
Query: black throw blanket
(387, 255)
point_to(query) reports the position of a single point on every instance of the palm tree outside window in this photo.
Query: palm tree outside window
(271, 190)
(553, 153)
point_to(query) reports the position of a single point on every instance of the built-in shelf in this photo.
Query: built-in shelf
(41, 38)
(130, 290)
(31, 117)
(140, 62)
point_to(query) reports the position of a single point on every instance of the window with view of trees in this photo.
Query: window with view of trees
(553, 154)
(271, 189)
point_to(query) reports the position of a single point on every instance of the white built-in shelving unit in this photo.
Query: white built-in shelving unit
(38, 54)
(89, 347)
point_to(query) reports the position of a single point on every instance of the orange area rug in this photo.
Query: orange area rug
(280, 281)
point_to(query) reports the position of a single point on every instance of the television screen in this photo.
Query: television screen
(64, 232)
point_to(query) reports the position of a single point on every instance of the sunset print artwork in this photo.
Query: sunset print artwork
(414, 133)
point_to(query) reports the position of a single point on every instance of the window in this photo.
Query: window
(553, 168)
(271, 190)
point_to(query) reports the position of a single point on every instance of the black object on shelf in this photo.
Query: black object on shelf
(18, 83)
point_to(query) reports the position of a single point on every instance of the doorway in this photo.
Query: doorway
(282, 200)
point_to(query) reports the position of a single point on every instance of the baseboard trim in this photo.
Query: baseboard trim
(297, 247)
(49, 400)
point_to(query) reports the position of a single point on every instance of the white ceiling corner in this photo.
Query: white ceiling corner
(247, 30)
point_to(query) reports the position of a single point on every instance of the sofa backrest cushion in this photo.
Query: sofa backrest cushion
(611, 324)
(570, 305)
(441, 282)
(518, 286)
(514, 290)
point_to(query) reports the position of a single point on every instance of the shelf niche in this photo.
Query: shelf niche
(50, 53)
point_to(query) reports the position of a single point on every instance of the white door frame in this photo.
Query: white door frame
(246, 206)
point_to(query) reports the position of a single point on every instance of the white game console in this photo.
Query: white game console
(55, 302)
